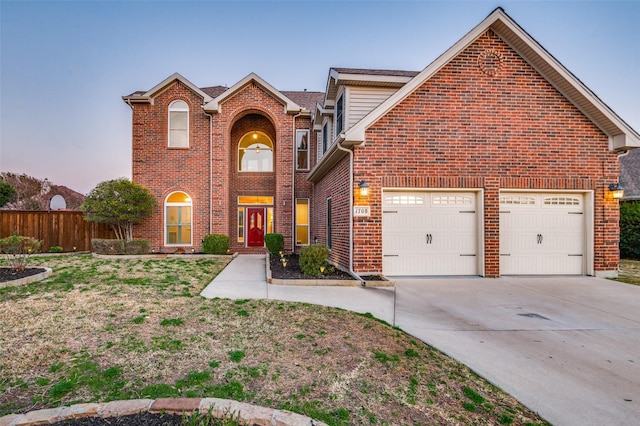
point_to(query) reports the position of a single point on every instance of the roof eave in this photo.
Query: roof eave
(290, 107)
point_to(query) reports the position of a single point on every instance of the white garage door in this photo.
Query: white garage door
(542, 234)
(431, 233)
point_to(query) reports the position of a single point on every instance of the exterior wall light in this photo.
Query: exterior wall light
(364, 188)
(615, 190)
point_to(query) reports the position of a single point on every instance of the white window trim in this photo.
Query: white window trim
(171, 106)
(166, 204)
(308, 133)
(308, 224)
(341, 95)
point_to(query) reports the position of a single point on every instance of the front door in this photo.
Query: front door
(255, 226)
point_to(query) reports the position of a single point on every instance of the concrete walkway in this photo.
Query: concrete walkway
(566, 347)
(245, 278)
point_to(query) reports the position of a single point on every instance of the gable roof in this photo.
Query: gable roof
(290, 107)
(148, 96)
(621, 135)
(630, 175)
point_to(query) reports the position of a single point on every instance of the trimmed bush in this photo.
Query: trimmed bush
(630, 230)
(18, 249)
(107, 246)
(274, 243)
(111, 246)
(312, 258)
(55, 249)
(137, 247)
(215, 244)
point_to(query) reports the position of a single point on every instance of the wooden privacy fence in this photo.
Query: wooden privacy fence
(66, 229)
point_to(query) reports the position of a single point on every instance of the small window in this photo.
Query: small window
(241, 224)
(451, 200)
(561, 201)
(178, 219)
(302, 222)
(329, 242)
(404, 199)
(255, 153)
(339, 115)
(517, 200)
(325, 137)
(302, 149)
(179, 124)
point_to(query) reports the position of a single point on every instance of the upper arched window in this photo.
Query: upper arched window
(255, 153)
(177, 219)
(179, 124)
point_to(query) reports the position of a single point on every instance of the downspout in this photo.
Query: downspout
(293, 184)
(351, 271)
(210, 170)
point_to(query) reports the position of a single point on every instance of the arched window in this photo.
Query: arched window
(179, 124)
(177, 219)
(255, 153)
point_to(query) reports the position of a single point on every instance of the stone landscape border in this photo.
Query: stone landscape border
(216, 407)
(29, 279)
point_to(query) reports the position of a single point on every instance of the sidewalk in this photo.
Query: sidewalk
(245, 278)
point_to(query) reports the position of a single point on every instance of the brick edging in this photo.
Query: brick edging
(29, 279)
(216, 407)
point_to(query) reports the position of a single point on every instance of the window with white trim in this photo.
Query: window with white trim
(302, 221)
(255, 153)
(177, 219)
(178, 124)
(302, 150)
(339, 115)
(325, 137)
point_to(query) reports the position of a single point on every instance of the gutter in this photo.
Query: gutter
(351, 271)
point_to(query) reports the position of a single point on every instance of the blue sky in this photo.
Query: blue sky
(64, 66)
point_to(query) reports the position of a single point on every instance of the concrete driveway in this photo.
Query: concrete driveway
(566, 347)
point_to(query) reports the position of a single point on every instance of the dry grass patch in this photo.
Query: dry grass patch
(100, 330)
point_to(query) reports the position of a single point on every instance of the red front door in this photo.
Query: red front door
(255, 226)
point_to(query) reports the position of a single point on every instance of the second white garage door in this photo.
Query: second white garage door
(429, 233)
(542, 234)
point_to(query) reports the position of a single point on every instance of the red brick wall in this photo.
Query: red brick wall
(164, 170)
(335, 185)
(464, 128)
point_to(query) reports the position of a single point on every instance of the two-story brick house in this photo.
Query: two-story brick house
(493, 160)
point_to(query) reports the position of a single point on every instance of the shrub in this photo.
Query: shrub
(312, 258)
(630, 230)
(137, 247)
(55, 249)
(274, 243)
(107, 246)
(215, 244)
(18, 249)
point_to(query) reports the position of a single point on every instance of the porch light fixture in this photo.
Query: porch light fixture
(616, 190)
(364, 188)
(255, 135)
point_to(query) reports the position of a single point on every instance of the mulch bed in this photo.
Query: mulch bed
(292, 271)
(8, 274)
(142, 419)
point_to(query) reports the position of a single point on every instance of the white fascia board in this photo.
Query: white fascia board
(167, 81)
(290, 107)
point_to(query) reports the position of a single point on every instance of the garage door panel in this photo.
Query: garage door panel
(542, 234)
(429, 233)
